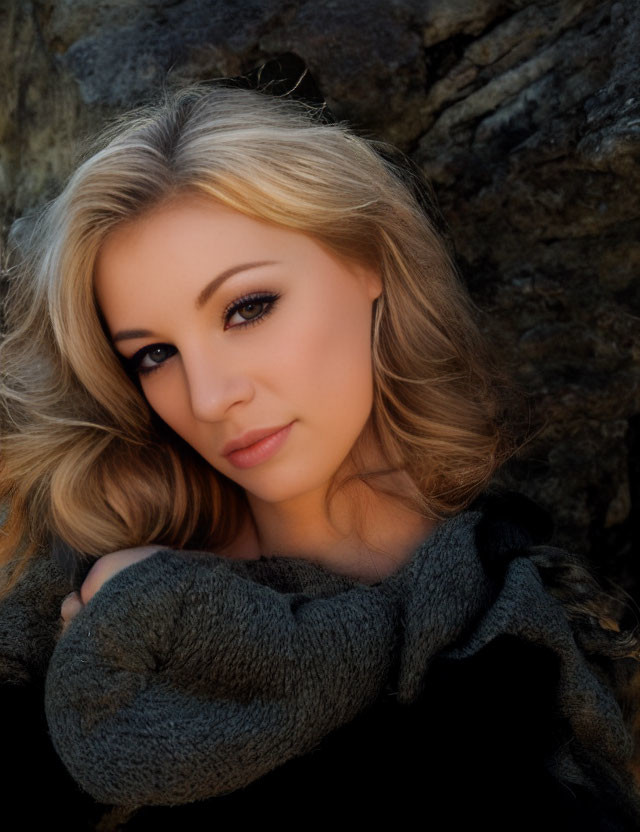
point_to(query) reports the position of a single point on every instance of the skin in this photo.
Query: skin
(307, 360)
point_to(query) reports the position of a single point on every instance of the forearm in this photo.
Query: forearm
(181, 680)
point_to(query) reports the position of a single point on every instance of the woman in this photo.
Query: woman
(350, 616)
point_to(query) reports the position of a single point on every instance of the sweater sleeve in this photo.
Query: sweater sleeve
(182, 679)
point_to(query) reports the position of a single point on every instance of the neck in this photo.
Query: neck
(302, 530)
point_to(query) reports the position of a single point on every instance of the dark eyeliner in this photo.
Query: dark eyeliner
(254, 297)
(271, 299)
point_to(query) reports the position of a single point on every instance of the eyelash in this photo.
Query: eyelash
(133, 363)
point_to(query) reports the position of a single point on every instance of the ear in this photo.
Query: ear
(371, 281)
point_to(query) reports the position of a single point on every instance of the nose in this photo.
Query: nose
(214, 383)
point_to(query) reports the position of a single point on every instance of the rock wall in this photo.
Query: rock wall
(526, 117)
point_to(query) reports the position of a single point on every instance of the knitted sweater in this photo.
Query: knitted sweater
(195, 684)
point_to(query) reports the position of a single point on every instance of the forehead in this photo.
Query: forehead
(188, 236)
(184, 222)
(186, 242)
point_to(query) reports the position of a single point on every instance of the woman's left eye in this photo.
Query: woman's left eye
(255, 300)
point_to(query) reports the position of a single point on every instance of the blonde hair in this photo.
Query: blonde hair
(84, 459)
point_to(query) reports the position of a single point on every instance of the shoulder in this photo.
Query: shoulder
(509, 523)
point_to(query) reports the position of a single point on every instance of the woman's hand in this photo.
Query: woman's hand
(71, 606)
(104, 568)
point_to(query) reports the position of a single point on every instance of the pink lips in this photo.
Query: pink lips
(260, 450)
(249, 438)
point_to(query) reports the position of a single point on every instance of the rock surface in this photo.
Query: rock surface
(526, 117)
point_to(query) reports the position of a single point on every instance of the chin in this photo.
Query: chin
(279, 486)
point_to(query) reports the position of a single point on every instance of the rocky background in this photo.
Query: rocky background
(525, 116)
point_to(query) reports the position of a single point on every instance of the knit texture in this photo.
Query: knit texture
(29, 619)
(189, 675)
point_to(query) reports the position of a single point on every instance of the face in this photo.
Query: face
(286, 338)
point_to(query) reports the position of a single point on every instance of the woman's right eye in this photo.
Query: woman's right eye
(135, 363)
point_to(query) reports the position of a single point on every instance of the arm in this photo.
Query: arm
(181, 679)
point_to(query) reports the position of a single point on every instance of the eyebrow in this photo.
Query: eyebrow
(203, 297)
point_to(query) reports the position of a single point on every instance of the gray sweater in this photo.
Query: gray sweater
(189, 675)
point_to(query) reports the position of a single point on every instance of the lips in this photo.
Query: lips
(249, 438)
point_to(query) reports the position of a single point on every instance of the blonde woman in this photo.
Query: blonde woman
(254, 452)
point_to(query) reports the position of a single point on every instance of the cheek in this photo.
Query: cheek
(167, 397)
(330, 366)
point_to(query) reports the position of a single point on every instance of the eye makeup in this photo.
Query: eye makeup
(266, 299)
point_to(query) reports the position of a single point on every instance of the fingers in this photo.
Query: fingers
(71, 606)
(109, 565)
